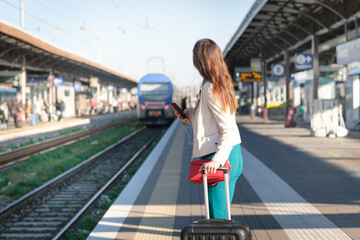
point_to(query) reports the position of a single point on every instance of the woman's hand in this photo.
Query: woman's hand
(187, 113)
(210, 167)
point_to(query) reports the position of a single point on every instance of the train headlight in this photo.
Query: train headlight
(166, 107)
(143, 107)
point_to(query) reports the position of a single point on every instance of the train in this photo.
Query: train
(155, 93)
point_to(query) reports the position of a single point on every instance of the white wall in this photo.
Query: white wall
(67, 94)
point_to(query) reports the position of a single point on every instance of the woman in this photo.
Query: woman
(216, 135)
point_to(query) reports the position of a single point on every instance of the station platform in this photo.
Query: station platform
(293, 186)
(13, 136)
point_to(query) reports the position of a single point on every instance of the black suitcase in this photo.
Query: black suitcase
(216, 229)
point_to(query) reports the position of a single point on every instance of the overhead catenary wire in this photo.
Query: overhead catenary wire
(37, 18)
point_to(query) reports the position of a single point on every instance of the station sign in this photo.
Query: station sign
(250, 77)
(278, 70)
(255, 64)
(34, 80)
(94, 82)
(303, 61)
(77, 86)
(58, 81)
(111, 88)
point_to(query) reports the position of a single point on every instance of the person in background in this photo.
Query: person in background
(183, 103)
(38, 106)
(61, 109)
(57, 108)
(77, 107)
(14, 110)
(33, 113)
(93, 106)
(118, 102)
(47, 109)
(28, 110)
(101, 107)
(114, 106)
(4, 115)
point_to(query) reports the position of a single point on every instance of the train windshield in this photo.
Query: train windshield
(154, 91)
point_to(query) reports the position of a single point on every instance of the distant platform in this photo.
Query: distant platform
(15, 136)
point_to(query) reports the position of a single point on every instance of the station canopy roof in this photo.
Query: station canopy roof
(272, 26)
(42, 56)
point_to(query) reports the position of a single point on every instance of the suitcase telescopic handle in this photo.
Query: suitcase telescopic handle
(227, 193)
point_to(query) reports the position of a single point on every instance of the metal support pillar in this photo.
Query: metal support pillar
(23, 82)
(316, 72)
(356, 28)
(252, 112)
(107, 95)
(287, 82)
(115, 93)
(263, 74)
(257, 97)
(98, 93)
(346, 32)
(51, 93)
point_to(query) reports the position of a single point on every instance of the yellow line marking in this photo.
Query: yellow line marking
(158, 220)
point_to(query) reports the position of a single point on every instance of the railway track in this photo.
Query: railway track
(21, 154)
(47, 212)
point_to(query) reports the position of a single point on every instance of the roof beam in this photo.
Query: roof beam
(308, 16)
(330, 8)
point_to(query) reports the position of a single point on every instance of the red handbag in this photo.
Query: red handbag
(196, 177)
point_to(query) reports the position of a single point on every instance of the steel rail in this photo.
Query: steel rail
(7, 211)
(90, 204)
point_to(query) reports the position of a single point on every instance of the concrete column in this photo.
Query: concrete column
(98, 93)
(51, 92)
(107, 94)
(316, 71)
(252, 106)
(346, 32)
(264, 78)
(252, 93)
(115, 92)
(356, 28)
(23, 82)
(287, 82)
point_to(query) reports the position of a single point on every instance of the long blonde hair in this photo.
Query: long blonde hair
(209, 61)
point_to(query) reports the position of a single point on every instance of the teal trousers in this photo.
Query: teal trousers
(217, 200)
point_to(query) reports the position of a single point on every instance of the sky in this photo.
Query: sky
(134, 37)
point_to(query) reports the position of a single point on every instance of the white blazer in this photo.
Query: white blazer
(214, 130)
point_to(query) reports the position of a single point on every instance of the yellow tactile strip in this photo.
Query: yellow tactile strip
(158, 220)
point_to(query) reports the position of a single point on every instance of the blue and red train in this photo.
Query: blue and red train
(155, 92)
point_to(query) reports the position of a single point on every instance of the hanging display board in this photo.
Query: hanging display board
(250, 77)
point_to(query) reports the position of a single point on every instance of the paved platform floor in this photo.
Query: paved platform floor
(293, 186)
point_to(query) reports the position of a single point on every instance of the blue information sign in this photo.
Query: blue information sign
(111, 88)
(58, 81)
(77, 87)
(303, 61)
(34, 80)
(278, 70)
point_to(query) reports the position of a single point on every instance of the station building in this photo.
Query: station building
(32, 69)
(277, 31)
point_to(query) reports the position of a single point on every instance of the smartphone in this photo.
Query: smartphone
(178, 110)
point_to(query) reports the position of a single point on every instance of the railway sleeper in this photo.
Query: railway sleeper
(14, 236)
(47, 223)
(30, 229)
